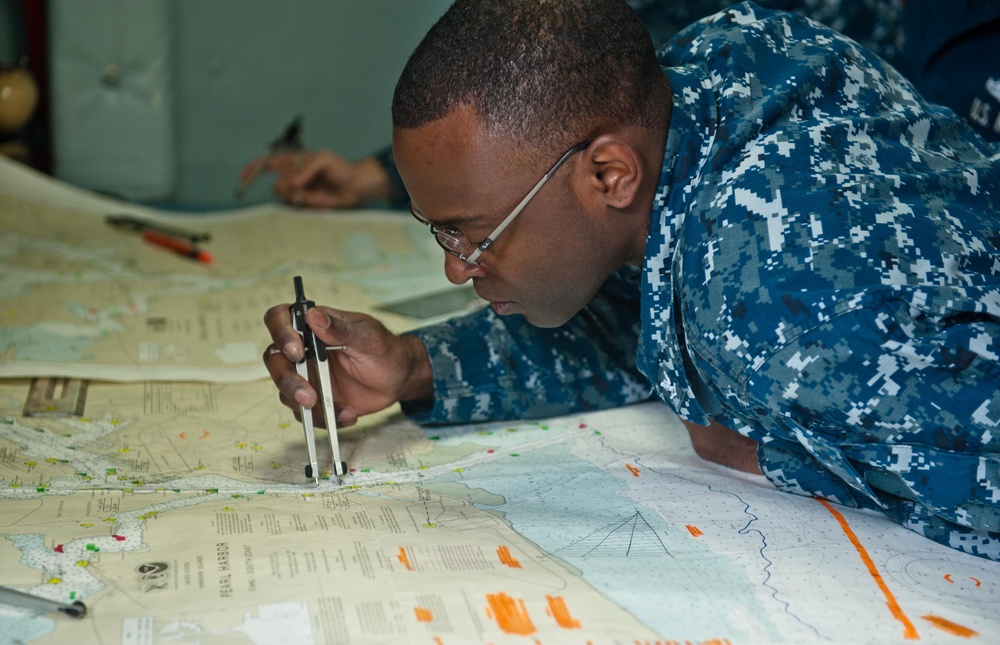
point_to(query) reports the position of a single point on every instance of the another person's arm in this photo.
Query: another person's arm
(324, 179)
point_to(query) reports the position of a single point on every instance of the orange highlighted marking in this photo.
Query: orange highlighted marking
(511, 614)
(947, 577)
(909, 631)
(505, 557)
(946, 625)
(404, 558)
(424, 615)
(560, 612)
(711, 641)
(632, 469)
(977, 581)
(693, 530)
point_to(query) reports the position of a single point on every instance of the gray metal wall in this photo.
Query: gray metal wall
(167, 99)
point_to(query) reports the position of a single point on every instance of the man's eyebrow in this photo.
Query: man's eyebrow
(455, 221)
(460, 221)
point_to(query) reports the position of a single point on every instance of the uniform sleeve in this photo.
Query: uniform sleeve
(490, 367)
(894, 407)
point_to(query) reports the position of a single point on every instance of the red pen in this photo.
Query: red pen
(181, 247)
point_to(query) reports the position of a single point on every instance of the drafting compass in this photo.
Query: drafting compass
(316, 354)
(289, 140)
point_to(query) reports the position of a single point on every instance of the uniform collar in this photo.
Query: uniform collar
(693, 124)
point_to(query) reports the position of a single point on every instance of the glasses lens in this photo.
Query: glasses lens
(451, 242)
(449, 239)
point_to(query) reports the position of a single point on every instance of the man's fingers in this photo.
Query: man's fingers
(294, 390)
(278, 321)
(346, 415)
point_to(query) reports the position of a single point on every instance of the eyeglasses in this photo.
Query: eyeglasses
(454, 241)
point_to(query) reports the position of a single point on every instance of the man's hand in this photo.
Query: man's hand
(719, 444)
(324, 179)
(376, 368)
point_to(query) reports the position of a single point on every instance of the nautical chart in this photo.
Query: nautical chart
(81, 298)
(178, 513)
(173, 501)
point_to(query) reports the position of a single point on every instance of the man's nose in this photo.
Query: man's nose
(459, 271)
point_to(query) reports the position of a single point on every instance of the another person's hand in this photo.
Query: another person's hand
(376, 368)
(324, 179)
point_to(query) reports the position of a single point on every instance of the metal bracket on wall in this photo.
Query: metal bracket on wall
(55, 397)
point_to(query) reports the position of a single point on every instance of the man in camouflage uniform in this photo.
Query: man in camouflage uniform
(947, 50)
(772, 233)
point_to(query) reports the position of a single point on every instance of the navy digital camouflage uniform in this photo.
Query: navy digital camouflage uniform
(950, 51)
(822, 274)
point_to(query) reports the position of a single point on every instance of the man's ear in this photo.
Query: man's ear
(610, 173)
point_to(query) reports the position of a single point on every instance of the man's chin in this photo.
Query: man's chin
(545, 320)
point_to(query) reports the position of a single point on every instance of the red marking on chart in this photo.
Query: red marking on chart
(560, 612)
(424, 615)
(946, 625)
(58, 549)
(120, 538)
(404, 558)
(693, 530)
(504, 554)
(909, 631)
(632, 469)
(582, 426)
(510, 614)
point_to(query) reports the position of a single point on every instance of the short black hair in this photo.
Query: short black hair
(548, 73)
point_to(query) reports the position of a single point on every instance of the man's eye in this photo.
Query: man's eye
(454, 232)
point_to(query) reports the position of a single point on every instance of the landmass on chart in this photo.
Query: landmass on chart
(83, 299)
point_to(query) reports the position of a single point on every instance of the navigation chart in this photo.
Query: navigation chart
(148, 470)
(182, 508)
(84, 299)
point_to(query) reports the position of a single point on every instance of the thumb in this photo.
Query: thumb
(329, 328)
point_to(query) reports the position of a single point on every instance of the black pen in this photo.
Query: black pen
(10, 596)
(140, 225)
